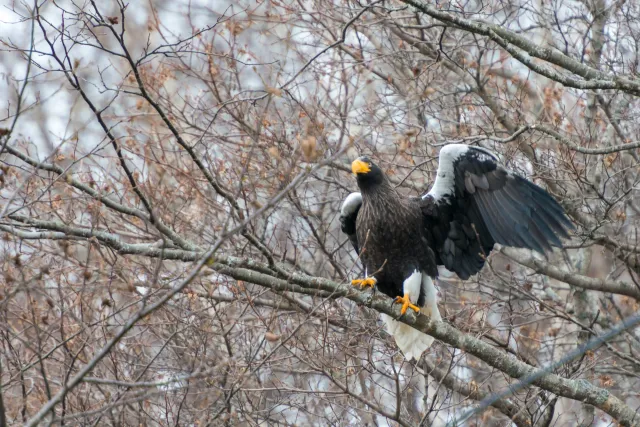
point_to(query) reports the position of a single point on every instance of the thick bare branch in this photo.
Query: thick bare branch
(521, 48)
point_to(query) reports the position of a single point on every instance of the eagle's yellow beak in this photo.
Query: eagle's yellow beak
(358, 166)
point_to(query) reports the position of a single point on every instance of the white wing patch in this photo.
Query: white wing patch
(350, 204)
(449, 154)
(444, 184)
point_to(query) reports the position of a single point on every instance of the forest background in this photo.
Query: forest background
(170, 181)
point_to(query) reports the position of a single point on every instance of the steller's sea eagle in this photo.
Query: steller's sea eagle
(473, 204)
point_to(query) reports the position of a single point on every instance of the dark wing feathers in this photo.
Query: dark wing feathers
(475, 203)
(497, 221)
(524, 232)
(551, 208)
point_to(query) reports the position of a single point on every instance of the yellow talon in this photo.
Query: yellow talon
(368, 281)
(406, 303)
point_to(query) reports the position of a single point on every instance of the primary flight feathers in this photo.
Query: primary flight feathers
(473, 204)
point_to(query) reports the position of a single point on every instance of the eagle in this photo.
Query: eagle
(473, 204)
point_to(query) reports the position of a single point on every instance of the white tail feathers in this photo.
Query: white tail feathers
(409, 340)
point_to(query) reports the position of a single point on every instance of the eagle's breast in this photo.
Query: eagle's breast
(393, 242)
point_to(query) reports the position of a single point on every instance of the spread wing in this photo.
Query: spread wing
(348, 215)
(475, 203)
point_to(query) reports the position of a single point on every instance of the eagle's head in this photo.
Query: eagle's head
(367, 173)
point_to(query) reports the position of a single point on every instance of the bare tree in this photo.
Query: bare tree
(171, 175)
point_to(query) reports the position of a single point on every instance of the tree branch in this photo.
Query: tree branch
(580, 390)
(572, 278)
(471, 390)
(507, 39)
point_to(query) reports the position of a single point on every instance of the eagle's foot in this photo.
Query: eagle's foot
(406, 303)
(367, 281)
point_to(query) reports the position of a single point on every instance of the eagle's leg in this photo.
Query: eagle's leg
(411, 287)
(406, 303)
(367, 281)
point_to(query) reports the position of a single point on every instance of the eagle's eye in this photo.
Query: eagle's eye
(360, 166)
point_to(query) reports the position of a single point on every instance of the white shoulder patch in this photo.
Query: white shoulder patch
(449, 154)
(444, 184)
(350, 204)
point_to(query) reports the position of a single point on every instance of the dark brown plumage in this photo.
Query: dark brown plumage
(473, 204)
(391, 235)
